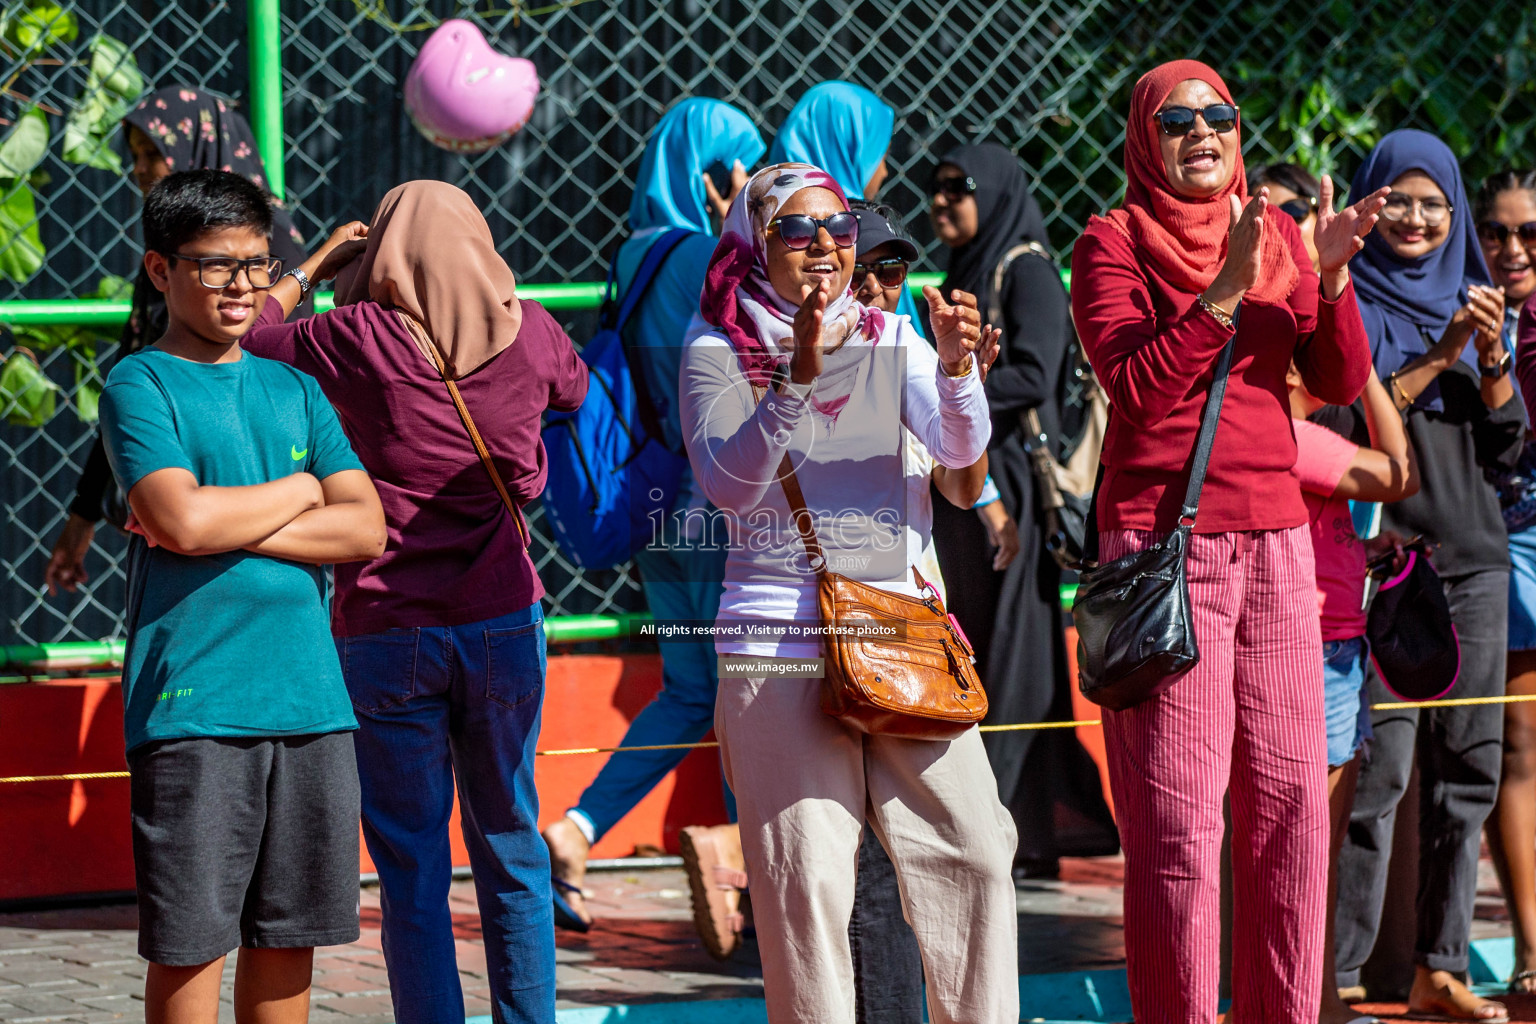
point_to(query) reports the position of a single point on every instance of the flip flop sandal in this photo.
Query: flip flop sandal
(1516, 986)
(565, 915)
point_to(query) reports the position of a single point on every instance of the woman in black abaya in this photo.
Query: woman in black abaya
(984, 212)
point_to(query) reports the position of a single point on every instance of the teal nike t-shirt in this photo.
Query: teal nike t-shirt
(234, 644)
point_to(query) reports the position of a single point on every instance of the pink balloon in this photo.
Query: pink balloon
(465, 97)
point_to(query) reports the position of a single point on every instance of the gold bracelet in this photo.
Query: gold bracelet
(1220, 315)
(1398, 388)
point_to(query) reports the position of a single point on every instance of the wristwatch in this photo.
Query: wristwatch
(1498, 369)
(303, 281)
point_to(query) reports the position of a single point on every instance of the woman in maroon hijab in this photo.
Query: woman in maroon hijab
(1156, 284)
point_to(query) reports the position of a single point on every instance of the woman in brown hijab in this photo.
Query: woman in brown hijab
(441, 637)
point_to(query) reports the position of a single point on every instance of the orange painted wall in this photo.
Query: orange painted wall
(63, 838)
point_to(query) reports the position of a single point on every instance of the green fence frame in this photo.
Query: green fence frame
(264, 26)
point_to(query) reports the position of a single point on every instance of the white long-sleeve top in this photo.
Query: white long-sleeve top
(851, 469)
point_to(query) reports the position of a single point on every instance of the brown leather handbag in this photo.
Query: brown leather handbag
(920, 683)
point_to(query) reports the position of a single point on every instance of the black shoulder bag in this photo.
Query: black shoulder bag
(1135, 634)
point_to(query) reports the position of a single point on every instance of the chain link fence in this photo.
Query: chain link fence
(1318, 84)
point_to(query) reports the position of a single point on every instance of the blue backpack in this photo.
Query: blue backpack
(609, 470)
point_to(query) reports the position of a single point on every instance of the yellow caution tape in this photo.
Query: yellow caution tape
(72, 777)
(1454, 702)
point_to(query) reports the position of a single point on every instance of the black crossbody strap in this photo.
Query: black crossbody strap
(1209, 419)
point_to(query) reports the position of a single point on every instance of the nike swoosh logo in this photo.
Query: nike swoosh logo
(297, 455)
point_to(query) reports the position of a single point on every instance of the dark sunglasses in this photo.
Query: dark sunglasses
(1177, 121)
(798, 231)
(954, 187)
(1493, 232)
(1299, 209)
(217, 272)
(890, 273)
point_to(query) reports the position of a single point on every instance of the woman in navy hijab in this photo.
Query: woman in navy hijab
(1435, 321)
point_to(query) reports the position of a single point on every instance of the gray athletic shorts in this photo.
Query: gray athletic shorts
(244, 842)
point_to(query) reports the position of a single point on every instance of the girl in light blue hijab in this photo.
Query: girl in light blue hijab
(692, 137)
(842, 128)
(681, 581)
(846, 131)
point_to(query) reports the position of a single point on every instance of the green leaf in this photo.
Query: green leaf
(27, 396)
(25, 146)
(42, 337)
(113, 289)
(111, 85)
(88, 402)
(40, 26)
(21, 247)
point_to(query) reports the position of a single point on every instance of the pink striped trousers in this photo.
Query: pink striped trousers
(1247, 718)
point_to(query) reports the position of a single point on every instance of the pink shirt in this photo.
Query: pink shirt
(1322, 459)
(454, 554)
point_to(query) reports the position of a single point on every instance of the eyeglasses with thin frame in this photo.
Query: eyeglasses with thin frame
(1400, 205)
(1180, 121)
(954, 187)
(891, 273)
(1493, 232)
(217, 272)
(797, 230)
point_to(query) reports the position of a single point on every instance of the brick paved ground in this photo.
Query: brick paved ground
(80, 965)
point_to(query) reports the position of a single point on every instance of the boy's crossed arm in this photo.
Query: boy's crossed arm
(348, 528)
(298, 517)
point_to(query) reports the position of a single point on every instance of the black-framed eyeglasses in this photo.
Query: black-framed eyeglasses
(953, 187)
(1495, 233)
(218, 271)
(1400, 205)
(890, 273)
(798, 231)
(1176, 121)
(1299, 209)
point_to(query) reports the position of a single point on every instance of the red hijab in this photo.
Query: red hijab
(1183, 240)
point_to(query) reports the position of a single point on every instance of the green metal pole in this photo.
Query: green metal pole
(64, 657)
(265, 26)
(576, 296)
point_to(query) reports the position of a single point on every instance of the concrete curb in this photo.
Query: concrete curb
(1067, 998)
(1072, 997)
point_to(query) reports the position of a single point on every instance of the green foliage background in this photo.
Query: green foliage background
(1318, 85)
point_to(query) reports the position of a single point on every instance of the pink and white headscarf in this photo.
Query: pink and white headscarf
(759, 323)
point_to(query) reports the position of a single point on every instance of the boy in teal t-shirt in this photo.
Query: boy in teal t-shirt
(241, 484)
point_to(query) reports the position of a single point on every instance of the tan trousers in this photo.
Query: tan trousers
(805, 786)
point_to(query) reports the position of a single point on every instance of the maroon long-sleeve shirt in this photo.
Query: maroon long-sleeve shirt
(454, 555)
(1155, 349)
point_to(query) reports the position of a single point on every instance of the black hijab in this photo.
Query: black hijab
(1006, 215)
(196, 130)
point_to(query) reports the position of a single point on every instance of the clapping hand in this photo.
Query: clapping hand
(1338, 236)
(805, 362)
(1245, 252)
(1487, 307)
(957, 330)
(1481, 318)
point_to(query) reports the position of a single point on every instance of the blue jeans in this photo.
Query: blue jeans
(887, 965)
(680, 583)
(434, 704)
(1345, 707)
